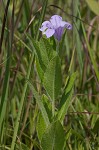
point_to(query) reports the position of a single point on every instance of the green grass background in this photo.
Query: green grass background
(79, 50)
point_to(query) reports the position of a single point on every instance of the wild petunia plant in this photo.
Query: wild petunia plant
(49, 127)
(55, 26)
(48, 65)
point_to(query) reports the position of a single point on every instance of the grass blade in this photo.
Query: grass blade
(26, 83)
(91, 53)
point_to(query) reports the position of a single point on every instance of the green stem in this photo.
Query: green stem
(53, 107)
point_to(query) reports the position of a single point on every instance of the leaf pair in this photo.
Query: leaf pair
(53, 137)
(48, 67)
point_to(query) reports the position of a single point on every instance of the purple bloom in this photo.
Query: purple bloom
(55, 26)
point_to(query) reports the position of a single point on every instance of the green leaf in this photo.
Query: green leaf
(53, 78)
(53, 138)
(71, 82)
(63, 110)
(49, 48)
(66, 98)
(40, 104)
(44, 53)
(94, 6)
(41, 55)
(39, 70)
(47, 105)
(41, 126)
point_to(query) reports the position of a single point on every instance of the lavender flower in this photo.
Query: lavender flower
(55, 26)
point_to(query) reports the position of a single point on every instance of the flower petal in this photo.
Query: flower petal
(49, 32)
(45, 25)
(68, 25)
(63, 23)
(43, 28)
(58, 33)
(55, 21)
(56, 16)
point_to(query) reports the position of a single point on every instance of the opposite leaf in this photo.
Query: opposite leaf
(66, 97)
(44, 53)
(41, 126)
(53, 138)
(53, 78)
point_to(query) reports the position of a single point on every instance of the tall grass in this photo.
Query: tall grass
(27, 108)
